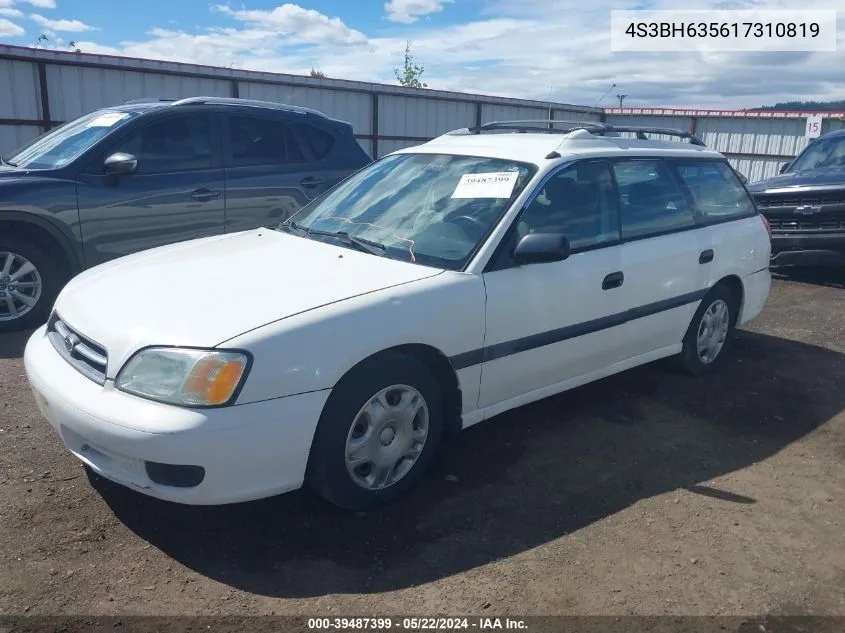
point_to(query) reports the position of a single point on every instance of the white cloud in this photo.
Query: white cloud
(408, 11)
(305, 25)
(516, 48)
(10, 29)
(42, 4)
(68, 26)
(10, 13)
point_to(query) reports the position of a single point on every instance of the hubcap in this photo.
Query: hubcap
(20, 286)
(712, 331)
(387, 437)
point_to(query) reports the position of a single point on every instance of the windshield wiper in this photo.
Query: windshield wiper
(365, 245)
(3, 161)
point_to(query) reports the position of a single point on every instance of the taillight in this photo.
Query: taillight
(767, 225)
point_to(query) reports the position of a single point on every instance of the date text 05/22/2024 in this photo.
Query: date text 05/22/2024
(417, 624)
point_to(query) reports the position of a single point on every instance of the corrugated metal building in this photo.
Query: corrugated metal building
(46, 88)
(757, 143)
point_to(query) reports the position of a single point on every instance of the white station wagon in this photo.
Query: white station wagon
(435, 288)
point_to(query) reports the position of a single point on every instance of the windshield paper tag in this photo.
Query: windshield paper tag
(496, 184)
(108, 119)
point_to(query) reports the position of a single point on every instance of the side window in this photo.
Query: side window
(257, 141)
(319, 142)
(579, 202)
(714, 186)
(174, 144)
(651, 200)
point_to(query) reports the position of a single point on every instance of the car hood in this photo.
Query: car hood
(203, 292)
(809, 178)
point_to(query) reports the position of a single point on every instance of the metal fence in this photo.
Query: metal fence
(43, 88)
(756, 143)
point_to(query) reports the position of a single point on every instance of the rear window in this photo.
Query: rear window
(716, 189)
(318, 141)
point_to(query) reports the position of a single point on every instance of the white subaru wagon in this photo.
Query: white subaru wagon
(437, 287)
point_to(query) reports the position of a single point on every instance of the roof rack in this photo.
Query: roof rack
(641, 132)
(246, 102)
(530, 125)
(148, 100)
(553, 126)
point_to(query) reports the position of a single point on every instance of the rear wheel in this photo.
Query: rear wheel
(29, 283)
(377, 434)
(709, 332)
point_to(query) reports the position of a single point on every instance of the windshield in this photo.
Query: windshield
(829, 152)
(432, 209)
(58, 147)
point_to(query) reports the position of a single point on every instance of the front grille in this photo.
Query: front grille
(87, 357)
(822, 224)
(770, 201)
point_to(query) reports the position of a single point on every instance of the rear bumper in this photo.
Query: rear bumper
(789, 249)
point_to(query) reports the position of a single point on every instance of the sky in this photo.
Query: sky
(515, 48)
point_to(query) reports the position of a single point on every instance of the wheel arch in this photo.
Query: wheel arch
(734, 284)
(45, 234)
(438, 363)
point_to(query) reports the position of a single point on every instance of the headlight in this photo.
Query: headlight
(187, 377)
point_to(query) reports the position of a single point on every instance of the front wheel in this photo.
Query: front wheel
(377, 434)
(29, 282)
(709, 332)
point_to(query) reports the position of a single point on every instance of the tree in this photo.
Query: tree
(72, 46)
(41, 40)
(316, 73)
(410, 73)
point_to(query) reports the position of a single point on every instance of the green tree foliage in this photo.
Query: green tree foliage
(411, 72)
(817, 106)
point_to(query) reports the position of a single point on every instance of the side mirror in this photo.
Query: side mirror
(537, 248)
(120, 164)
(784, 167)
(742, 178)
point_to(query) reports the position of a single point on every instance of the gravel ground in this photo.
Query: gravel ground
(646, 493)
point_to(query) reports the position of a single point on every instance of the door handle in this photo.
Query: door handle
(613, 280)
(311, 181)
(706, 256)
(204, 194)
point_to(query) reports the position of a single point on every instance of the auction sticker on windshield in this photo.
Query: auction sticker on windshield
(495, 184)
(108, 119)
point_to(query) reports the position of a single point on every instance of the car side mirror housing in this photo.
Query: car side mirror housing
(742, 178)
(120, 164)
(784, 167)
(538, 248)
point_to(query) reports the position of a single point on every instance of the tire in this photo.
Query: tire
(41, 284)
(694, 360)
(382, 436)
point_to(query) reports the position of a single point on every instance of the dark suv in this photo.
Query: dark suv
(154, 172)
(805, 205)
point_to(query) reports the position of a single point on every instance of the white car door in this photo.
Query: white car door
(664, 280)
(551, 322)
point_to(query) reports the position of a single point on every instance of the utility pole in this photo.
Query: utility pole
(621, 99)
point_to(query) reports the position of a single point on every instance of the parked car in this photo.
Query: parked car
(144, 174)
(805, 204)
(436, 288)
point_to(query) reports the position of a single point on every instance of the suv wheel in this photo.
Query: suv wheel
(29, 282)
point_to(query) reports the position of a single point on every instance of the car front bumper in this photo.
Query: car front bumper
(246, 451)
(797, 248)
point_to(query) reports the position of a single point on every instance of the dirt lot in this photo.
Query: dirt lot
(646, 493)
